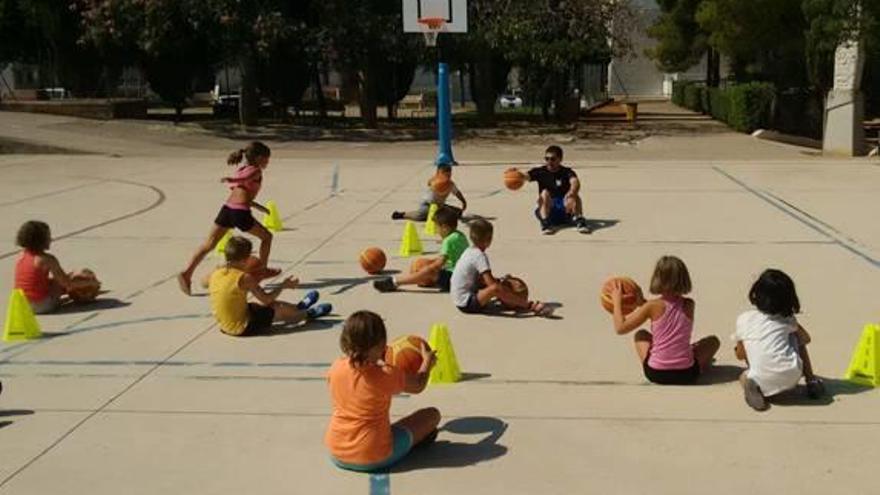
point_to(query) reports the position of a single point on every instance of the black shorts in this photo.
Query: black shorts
(443, 279)
(259, 318)
(242, 220)
(687, 376)
(472, 306)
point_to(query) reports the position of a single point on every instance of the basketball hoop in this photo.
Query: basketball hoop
(431, 28)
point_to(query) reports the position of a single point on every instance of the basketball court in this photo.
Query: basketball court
(142, 393)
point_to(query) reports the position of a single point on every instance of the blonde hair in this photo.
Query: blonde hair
(237, 249)
(670, 277)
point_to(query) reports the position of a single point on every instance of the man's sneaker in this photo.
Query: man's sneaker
(815, 388)
(582, 226)
(397, 215)
(308, 301)
(752, 392)
(320, 310)
(546, 228)
(385, 284)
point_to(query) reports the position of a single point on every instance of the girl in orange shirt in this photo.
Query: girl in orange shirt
(360, 436)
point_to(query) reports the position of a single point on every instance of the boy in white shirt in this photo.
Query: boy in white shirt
(473, 286)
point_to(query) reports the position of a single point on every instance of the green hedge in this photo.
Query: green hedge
(744, 107)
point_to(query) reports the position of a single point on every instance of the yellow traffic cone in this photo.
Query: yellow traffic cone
(864, 368)
(21, 324)
(220, 249)
(430, 226)
(446, 368)
(410, 244)
(272, 220)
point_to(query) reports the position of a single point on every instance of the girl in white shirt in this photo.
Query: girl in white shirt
(772, 342)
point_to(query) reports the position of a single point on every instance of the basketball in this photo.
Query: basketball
(513, 179)
(516, 285)
(441, 184)
(85, 293)
(417, 265)
(405, 353)
(372, 260)
(631, 295)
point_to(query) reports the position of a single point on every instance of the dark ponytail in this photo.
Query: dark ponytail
(252, 152)
(235, 157)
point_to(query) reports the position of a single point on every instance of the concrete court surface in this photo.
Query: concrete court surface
(141, 394)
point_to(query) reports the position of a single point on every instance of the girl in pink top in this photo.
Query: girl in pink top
(244, 185)
(39, 274)
(666, 352)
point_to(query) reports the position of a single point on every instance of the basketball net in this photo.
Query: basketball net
(431, 28)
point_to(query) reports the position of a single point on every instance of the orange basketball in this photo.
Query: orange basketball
(513, 179)
(631, 297)
(372, 260)
(417, 265)
(405, 353)
(516, 285)
(85, 293)
(441, 184)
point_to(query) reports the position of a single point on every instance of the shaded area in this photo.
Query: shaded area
(833, 388)
(72, 307)
(720, 373)
(448, 453)
(9, 146)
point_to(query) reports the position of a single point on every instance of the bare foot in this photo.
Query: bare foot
(184, 282)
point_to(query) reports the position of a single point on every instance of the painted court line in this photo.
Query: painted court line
(159, 200)
(803, 219)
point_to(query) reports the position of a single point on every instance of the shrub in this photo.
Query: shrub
(693, 98)
(750, 105)
(718, 103)
(678, 88)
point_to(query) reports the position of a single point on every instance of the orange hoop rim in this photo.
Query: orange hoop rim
(432, 23)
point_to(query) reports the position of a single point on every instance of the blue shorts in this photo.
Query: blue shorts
(558, 215)
(401, 444)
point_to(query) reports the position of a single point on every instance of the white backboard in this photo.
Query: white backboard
(454, 11)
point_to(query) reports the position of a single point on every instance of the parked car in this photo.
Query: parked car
(510, 101)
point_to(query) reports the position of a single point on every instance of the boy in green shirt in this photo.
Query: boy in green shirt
(438, 271)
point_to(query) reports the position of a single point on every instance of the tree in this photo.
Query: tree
(554, 38)
(830, 22)
(763, 38)
(366, 41)
(166, 38)
(681, 41)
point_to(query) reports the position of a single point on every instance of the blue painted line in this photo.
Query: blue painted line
(767, 198)
(380, 484)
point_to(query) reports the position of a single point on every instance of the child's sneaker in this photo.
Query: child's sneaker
(385, 284)
(752, 392)
(582, 226)
(815, 388)
(308, 301)
(546, 228)
(397, 215)
(320, 310)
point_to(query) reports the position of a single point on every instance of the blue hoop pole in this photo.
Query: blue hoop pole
(444, 117)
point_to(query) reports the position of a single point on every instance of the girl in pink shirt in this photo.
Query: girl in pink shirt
(244, 185)
(666, 352)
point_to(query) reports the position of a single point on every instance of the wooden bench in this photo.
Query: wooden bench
(331, 105)
(417, 103)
